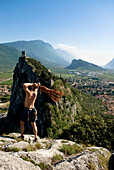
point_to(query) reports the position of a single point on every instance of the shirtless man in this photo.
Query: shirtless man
(29, 112)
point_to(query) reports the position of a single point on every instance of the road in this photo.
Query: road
(2, 105)
(6, 79)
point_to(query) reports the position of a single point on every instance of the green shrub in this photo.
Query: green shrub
(41, 165)
(29, 148)
(5, 98)
(38, 146)
(64, 141)
(91, 165)
(48, 145)
(56, 158)
(12, 149)
(70, 149)
(92, 150)
(90, 129)
(104, 161)
(25, 158)
(44, 166)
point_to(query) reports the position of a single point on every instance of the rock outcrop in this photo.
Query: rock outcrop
(46, 154)
(8, 161)
(29, 70)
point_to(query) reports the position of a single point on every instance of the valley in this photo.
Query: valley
(76, 110)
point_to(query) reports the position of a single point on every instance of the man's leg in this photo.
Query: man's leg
(34, 129)
(22, 127)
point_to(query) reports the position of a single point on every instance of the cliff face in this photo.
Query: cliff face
(51, 116)
(25, 72)
(22, 73)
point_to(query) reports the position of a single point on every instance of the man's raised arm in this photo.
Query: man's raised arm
(26, 85)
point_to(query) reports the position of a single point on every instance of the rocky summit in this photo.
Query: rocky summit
(49, 154)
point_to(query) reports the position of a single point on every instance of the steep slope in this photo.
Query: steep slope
(110, 65)
(41, 50)
(83, 65)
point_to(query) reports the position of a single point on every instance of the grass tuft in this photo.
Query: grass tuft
(11, 149)
(56, 158)
(64, 141)
(44, 166)
(48, 145)
(91, 165)
(41, 165)
(70, 149)
(29, 148)
(104, 161)
(38, 146)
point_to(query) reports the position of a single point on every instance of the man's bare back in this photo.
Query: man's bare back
(30, 94)
(30, 99)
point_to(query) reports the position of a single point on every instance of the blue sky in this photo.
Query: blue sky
(84, 28)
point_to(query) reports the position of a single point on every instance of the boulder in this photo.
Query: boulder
(9, 162)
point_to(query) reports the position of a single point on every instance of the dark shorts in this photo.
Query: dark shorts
(28, 114)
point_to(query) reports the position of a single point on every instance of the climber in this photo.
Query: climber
(30, 112)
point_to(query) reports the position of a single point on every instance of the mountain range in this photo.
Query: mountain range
(45, 53)
(8, 56)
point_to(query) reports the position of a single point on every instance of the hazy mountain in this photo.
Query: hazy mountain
(8, 56)
(83, 65)
(65, 55)
(110, 65)
(41, 50)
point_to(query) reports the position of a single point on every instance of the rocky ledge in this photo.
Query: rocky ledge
(49, 154)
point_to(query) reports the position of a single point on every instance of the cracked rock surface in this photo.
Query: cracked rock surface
(27, 154)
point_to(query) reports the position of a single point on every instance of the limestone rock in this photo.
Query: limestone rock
(88, 158)
(9, 162)
(6, 139)
(21, 145)
(81, 161)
